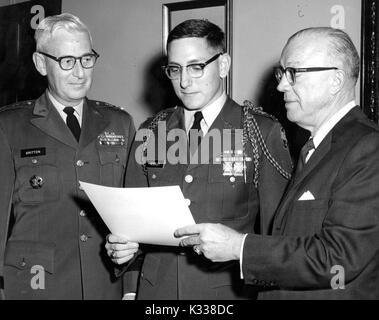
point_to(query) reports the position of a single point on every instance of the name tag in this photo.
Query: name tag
(155, 164)
(35, 152)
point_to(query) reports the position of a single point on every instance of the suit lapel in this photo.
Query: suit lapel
(92, 125)
(50, 122)
(322, 150)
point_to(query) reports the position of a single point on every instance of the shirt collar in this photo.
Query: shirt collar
(210, 113)
(59, 106)
(330, 123)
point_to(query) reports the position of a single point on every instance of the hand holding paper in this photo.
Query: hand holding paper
(144, 215)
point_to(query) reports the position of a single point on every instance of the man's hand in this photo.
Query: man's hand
(216, 241)
(120, 250)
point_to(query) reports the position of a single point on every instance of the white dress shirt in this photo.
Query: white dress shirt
(59, 106)
(210, 113)
(328, 125)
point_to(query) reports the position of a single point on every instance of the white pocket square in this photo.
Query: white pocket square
(307, 195)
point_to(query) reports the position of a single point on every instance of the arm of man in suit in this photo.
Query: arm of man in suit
(349, 235)
(6, 190)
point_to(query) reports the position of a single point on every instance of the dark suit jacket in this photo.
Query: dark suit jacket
(177, 273)
(313, 239)
(55, 226)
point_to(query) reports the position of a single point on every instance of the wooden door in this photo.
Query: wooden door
(19, 80)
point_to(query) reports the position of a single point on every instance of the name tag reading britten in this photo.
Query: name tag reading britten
(34, 152)
(111, 139)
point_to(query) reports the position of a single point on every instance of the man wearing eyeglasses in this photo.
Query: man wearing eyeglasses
(325, 236)
(54, 248)
(239, 186)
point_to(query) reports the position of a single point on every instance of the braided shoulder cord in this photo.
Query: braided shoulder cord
(161, 116)
(255, 134)
(250, 135)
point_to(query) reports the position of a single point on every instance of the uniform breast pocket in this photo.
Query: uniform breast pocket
(308, 215)
(228, 195)
(37, 178)
(112, 166)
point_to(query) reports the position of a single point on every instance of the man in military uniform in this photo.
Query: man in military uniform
(55, 243)
(239, 186)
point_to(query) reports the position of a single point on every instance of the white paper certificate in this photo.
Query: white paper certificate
(144, 215)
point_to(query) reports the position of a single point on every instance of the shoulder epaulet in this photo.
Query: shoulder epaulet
(251, 108)
(103, 104)
(152, 122)
(18, 105)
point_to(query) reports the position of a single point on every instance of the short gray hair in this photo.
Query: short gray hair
(50, 24)
(341, 48)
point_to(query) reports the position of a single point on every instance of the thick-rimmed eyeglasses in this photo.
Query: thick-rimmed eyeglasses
(291, 72)
(68, 62)
(195, 70)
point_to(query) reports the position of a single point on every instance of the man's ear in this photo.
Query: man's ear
(224, 65)
(338, 81)
(40, 63)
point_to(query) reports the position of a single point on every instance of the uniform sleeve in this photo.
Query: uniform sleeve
(135, 177)
(272, 183)
(349, 234)
(6, 190)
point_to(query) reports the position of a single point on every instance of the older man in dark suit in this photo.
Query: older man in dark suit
(55, 245)
(325, 236)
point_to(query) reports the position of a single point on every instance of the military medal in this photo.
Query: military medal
(36, 182)
(111, 139)
(233, 163)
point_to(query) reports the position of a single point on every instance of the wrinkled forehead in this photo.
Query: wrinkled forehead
(305, 51)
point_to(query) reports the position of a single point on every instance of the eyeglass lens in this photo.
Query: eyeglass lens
(87, 62)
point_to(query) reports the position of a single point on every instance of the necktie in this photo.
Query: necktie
(303, 154)
(72, 122)
(196, 126)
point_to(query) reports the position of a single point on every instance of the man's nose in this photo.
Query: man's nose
(185, 78)
(78, 70)
(283, 85)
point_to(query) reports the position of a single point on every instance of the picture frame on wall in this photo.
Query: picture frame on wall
(220, 12)
(370, 59)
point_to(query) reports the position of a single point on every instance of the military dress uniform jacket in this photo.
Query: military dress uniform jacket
(326, 247)
(213, 196)
(55, 248)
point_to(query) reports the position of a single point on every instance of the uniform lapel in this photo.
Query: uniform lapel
(50, 122)
(93, 123)
(227, 119)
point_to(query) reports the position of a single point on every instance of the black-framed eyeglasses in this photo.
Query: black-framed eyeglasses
(291, 72)
(195, 70)
(68, 62)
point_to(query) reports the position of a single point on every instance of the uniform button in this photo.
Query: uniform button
(232, 179)
(187, 202)
(34, 161)
(153, 176)
(142, 274)
(188, 178)
(182, 253)
(23, 264)
(80, 163)
(82, 213)
(83, 238)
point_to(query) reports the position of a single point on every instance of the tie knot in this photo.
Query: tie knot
(197, 119)
(69, 110)
(309, 145)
